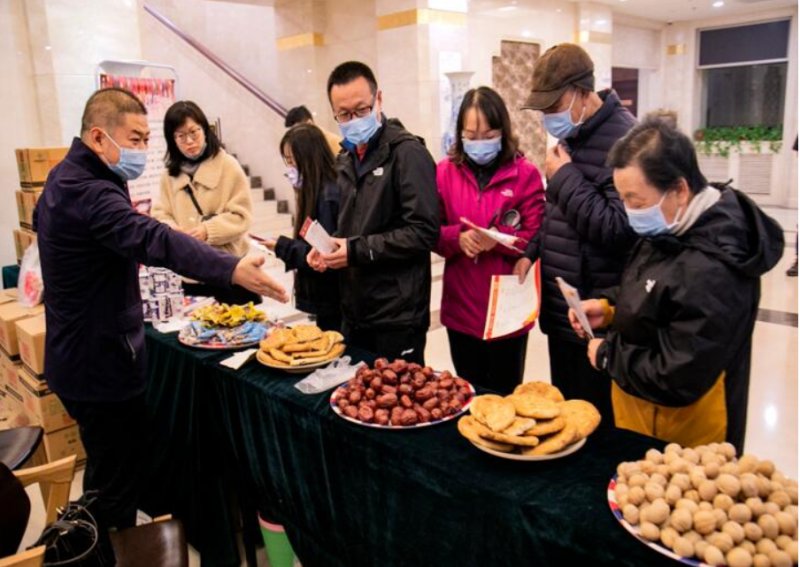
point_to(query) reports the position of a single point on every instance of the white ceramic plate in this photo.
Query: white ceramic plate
(517, 457)
(338, 411)
(634, 530)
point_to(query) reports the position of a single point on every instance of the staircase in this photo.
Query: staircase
(271, 217)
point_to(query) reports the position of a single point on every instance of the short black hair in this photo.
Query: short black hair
(106, 108)
(663, 153)
(350, 71)
(491, 105)
(176, 116)
(297, 115)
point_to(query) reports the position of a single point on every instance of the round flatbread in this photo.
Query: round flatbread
(529, 405)
(520, 426)
(555, 443)
(466, 426)
(520, 441)
(495, 412)
(541, 389)
(265, 358)
(277, 338)
(583, 414)
(547, 427)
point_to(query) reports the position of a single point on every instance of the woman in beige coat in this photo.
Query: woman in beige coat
(204, 192)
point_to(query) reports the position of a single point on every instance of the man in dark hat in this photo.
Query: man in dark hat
(585, 236)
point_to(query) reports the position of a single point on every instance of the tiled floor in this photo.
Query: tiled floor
(772, 410)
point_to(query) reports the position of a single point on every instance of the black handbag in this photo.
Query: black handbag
(74, 539)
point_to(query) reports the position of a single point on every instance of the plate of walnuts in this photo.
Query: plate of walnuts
(702, 506)
(401, 395)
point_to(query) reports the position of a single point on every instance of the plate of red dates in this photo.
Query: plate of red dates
(401, 395)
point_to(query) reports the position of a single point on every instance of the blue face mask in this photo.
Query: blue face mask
(650, 221)
(294, 177)
(131, 162)
(560, 124)
(359, 131)
(482, 151)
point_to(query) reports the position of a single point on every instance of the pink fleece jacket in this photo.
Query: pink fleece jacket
(516, 185)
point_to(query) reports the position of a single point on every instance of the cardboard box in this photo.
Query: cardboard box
(10, 313)
(30, 339)
(20, 206)
(15, 408)
(29, 200)
(63, 443)
(8, 295)
(34, 164)
(23, 238)
(42, 406)
(9, 373)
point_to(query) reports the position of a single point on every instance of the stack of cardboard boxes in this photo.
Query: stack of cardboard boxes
(33, 164)
(27, 398)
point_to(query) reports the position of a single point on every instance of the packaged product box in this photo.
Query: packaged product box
(30, 339)
(29, 200)
(15, 408)
(42, 406)
(9, 370)
(8, 295)
(23, 238)
(20, 197)
(10, 313)
(63, 443)
(34, 164)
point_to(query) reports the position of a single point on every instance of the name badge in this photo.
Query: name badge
(377, 172)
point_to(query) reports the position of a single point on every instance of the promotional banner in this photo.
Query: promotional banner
(157, 94)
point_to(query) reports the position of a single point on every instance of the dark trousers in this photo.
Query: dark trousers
(498, 365)
(406, 343)
(571, 372)
(234, 295)
(112, 434)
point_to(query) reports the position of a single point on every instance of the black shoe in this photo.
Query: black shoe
(792, 271)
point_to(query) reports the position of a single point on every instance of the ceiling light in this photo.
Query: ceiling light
(718, 4)
(526, 33)
(507, 8)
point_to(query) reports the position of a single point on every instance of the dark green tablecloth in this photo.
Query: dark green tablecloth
(10, 276)
(353, 496)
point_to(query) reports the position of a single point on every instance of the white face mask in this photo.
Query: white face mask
(293, 176)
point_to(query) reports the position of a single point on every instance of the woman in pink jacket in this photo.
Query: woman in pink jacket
(486, 180)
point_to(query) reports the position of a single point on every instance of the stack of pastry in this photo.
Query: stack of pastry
(534, 421)
(303, 345)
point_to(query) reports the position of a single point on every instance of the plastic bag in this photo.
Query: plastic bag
(336, 373)
(30, 286)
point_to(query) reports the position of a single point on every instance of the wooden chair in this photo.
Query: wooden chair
(57, 477)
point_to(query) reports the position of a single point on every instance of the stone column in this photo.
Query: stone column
(65, 56)
(417, 43)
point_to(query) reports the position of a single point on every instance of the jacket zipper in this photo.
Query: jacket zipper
(130, 347)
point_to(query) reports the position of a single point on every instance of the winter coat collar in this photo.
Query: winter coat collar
(208, 174)
(81, 155)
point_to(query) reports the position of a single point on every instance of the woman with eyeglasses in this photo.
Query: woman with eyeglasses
(486, 180)
(204, 193)
(310, 169)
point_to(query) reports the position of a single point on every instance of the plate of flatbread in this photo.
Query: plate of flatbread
(535, 423)
(300, 349)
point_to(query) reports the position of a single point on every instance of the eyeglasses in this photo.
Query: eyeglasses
(348, 115)
(194, 134)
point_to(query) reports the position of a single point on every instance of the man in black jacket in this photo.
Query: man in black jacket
(388, 222)
(585, 237)
(91, 241)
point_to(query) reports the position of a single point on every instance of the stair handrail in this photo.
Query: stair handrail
(274, 105)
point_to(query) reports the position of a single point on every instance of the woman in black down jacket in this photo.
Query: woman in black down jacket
(681, 321)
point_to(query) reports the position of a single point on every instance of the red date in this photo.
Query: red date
(386, 400)
(406, 402)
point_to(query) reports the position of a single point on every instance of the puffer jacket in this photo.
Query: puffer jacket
(585, 237)
(390, 217)
(516, 185)
(678, 351)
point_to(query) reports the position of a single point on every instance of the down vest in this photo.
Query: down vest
(585, 237)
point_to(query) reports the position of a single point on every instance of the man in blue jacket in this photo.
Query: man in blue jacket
(585, 237)
(91, 242)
